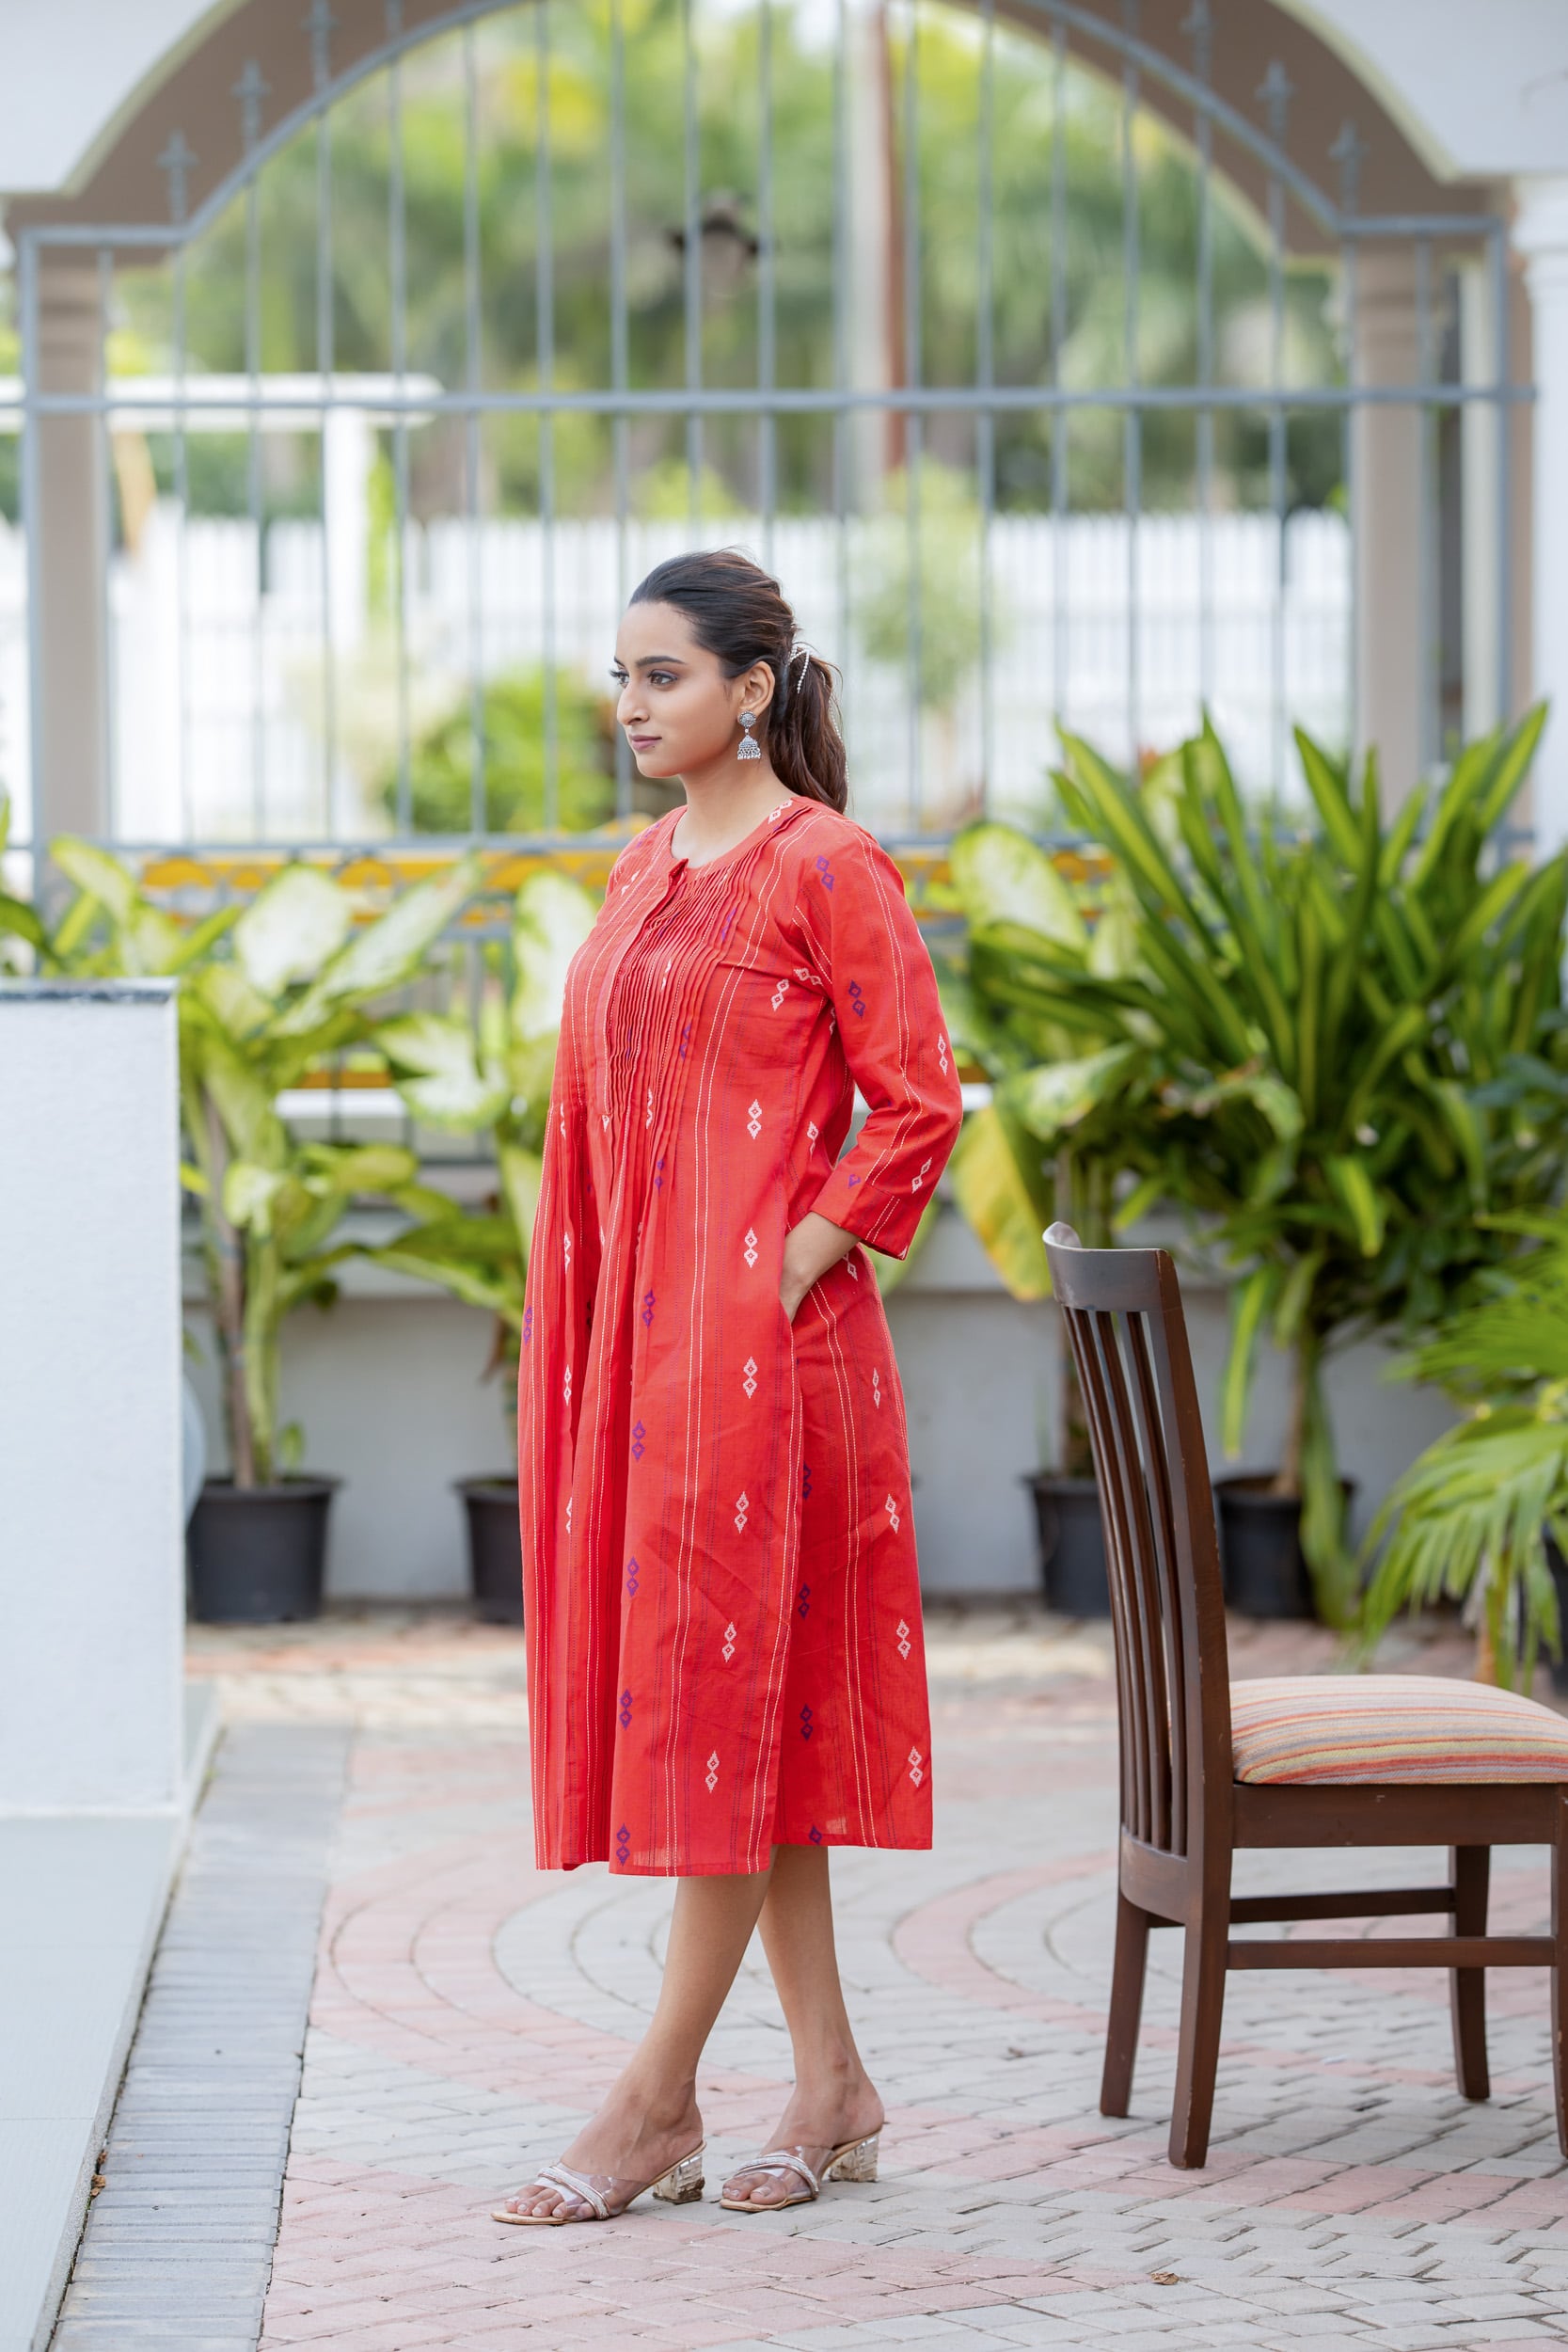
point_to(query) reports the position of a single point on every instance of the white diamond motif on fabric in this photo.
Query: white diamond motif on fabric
(812, 1131)
(567, 1245)
(568, 1515)
(750, 1382)
(876, 1386)
(751, 1251)
(566, 1385)
(754, 1119)
(942, 1051)
(728, 1650)
(902, 1638)
(779, 994)
(713, 1772)
(916, 1763)
(890, 1507)
(741, 1507)
(854, 1270)
(649, 1119)
(919, 1179)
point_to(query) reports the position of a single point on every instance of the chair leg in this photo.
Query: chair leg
(1467, 1986)
(1198, 2050)
(1127, 2001)
(1560, 1969)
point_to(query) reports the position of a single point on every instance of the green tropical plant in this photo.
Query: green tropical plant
(1470, 1517)
(295, 981)
(441, 760)
(1337, 1047)
(491, 1075)
(17, 920)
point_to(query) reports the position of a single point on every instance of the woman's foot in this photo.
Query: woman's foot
(633, 2140)
(814, 2124)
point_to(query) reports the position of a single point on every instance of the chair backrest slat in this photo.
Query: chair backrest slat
(1122, 1309)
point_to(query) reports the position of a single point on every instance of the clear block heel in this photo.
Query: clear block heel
(855, 2161)
(682, 2184)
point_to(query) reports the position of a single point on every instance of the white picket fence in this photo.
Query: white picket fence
(221, 667)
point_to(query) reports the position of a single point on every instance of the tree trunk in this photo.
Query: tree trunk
(1287, 1478)
(228, 1307)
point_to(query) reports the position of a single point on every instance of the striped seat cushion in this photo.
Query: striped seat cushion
(1382, 1727)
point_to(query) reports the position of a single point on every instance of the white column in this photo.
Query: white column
(1387, 461)
(91, 1534)
(1541, 234)
(71, 724)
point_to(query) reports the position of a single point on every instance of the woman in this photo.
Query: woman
(726, 1669)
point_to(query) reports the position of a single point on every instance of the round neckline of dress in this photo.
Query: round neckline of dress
(764, 824)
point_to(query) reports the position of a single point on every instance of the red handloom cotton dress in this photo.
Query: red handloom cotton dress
(723, 1600)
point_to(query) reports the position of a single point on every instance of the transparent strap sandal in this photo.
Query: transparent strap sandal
(852, 2160)
(682, 2185)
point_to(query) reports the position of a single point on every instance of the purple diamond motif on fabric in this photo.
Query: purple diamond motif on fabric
(805, 1480)
(857, 998)
(851, 1179)
(528, 1325)
(803, 1608)
(647, 1309)
(825, 871)
(638, 1447)
(685, 1039)
(805, 1723)
(815, 1834)
(623, 1845)
(625, 1709)
(633, 1572)
(658, 1176)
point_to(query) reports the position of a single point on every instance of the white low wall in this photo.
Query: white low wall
(91, 1584)
(388, 1388)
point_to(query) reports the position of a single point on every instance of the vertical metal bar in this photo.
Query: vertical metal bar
(768, 451)
(103, 458)
(1275, 92)
(842, 248)
(1347, 152)
(325, 363)
(691, 167)
(250, 91)
(32, 525)
(914, 436)
(477, 798)
(1199, 24)
(985, 371)
(544, 283)
(397, 238)
(621, 432)
(1059, 344)
(1429, 723)
(181, 551)
(1132, 429)
(1498, 258)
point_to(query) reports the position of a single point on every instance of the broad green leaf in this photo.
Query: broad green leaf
(1250, 1301)
(292, 928)
(1361, 1200)
(522, 1172)
(389, 951)
(1001, 876)
(359, 1168)
(1007, 1201)
(437, 1075)
(101, 877)
(224, 991)
(1325, 782)
(552, 918)
(249, 1195)
(1050, 1099)
(16, 918)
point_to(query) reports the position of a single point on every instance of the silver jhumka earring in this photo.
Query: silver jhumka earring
(750, 747)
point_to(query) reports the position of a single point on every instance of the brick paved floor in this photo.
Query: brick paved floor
(467, 2011)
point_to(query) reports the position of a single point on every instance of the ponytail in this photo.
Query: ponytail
(740, 616)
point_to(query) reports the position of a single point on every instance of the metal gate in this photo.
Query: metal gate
(1047, 376)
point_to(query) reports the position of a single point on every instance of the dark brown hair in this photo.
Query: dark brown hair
(739, 615)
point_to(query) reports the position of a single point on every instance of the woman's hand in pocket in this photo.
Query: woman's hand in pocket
(810, 1249)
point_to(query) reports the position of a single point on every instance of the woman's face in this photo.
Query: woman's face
(679, 710)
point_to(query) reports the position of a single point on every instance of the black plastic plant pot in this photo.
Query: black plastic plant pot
(1072, 1545)
(494, 1548)
(1265, 1571)
(257, 1554)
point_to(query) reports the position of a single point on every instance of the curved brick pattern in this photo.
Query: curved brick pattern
(467, 2009)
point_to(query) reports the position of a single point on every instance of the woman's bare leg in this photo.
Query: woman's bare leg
(650, 2119)
(833, 2099)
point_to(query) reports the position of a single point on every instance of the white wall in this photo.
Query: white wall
(92, 1577)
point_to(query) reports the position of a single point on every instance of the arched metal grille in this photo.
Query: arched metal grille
(1042, 372)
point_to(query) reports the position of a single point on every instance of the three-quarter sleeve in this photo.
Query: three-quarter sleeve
(878, 971)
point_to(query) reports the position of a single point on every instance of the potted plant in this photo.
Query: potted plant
(1008, 1188)
(1481, 1517)
(1334, 1048)
(296, 983)
(492, 1075)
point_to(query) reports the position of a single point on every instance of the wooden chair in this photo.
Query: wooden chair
(1209, 1767)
